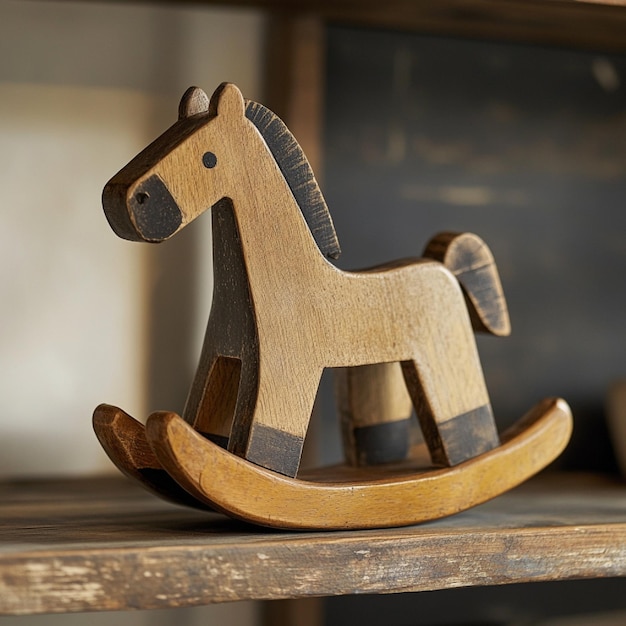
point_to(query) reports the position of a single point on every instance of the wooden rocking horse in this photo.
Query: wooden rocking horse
(282, 313)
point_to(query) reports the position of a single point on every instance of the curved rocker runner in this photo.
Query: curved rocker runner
(282, 313)
(342, 499)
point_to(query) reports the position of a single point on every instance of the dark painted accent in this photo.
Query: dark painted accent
(479, 283)
(299, 176)
(114, 205)
(468, 435)
(382, 443)
(275, 450)
(209, 160)
(154, 212)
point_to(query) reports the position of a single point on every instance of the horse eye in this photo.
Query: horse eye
(209, 160)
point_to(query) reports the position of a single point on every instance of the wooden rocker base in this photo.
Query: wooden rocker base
(124, 440)
(335, 499)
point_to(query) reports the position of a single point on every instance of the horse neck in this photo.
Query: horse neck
(278, 246)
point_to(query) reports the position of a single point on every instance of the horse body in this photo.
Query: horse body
(304, 313)
(324, 317)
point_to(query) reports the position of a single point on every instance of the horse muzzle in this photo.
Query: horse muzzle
(149, 213)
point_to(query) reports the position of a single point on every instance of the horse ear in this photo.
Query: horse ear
(227, 100)
(194, 101)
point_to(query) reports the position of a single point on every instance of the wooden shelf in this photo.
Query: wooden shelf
(590, 24)
(104, 544)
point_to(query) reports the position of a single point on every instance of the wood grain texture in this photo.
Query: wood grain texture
(90, 545)
(336, 500)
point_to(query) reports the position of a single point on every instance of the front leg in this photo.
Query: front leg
(274, 435)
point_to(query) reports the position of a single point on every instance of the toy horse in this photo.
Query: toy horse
(282, 313)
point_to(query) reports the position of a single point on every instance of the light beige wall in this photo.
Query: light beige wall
(83, 87)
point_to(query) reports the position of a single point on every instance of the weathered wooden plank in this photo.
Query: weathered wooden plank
(105, 545)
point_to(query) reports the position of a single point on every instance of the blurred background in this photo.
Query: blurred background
(409, 134)
(83, 88)
(523, 145)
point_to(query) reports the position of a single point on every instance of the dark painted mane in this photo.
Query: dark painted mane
(299, 176)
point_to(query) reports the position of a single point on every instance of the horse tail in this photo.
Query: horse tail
(468, 257)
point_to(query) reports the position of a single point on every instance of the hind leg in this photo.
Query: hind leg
(452, 436)
(469, 259)
(375, 411)
(445, 378)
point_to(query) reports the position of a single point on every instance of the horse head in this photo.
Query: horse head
(201, 159)
(175, 178)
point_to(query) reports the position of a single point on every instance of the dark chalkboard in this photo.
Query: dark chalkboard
(524, 146)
